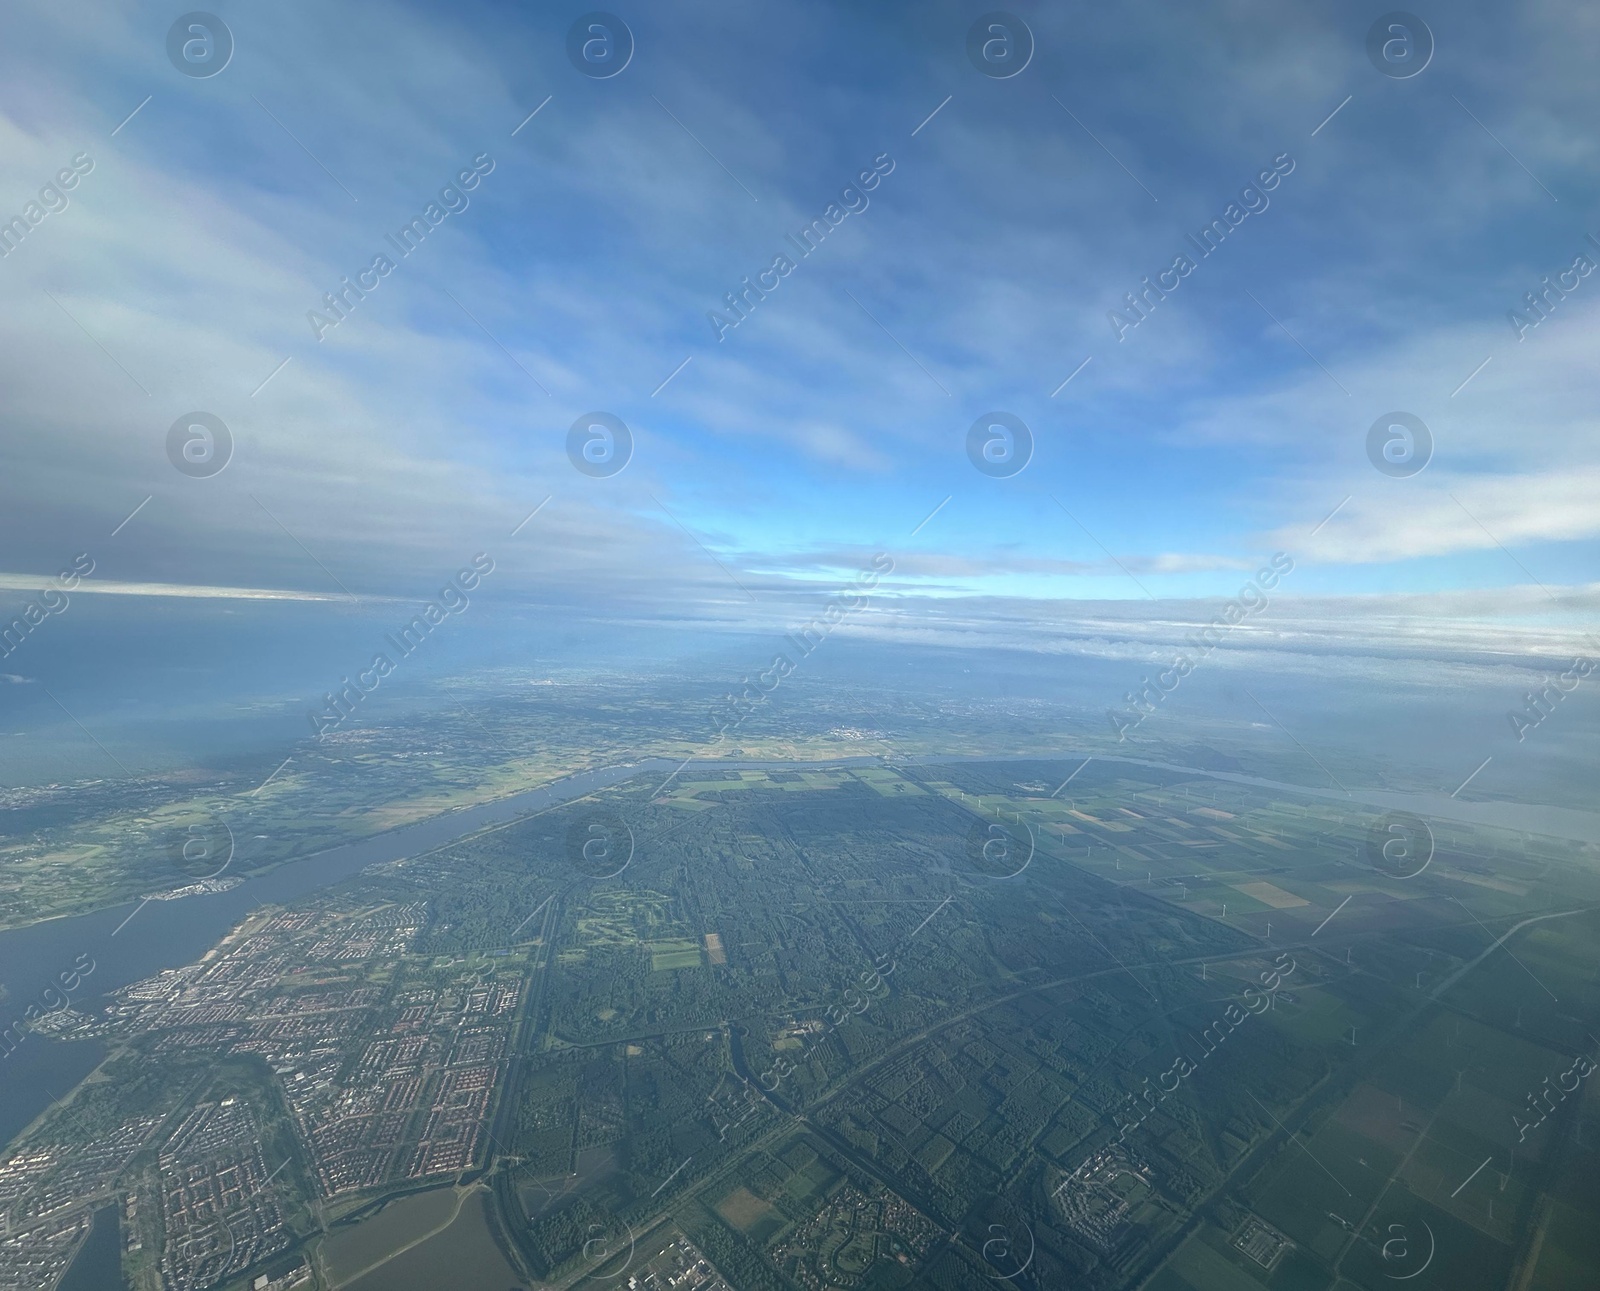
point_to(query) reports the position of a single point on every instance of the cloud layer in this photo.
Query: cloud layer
(430, 422)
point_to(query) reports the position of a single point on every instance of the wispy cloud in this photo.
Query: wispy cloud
(588, 259)
(104, 587)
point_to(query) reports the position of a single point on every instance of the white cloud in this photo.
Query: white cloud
(102, 587)
(1438, 515)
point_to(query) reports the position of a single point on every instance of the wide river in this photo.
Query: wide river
(169, 934)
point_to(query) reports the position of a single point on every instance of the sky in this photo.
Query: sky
(374, 454)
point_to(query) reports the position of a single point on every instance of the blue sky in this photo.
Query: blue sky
(1227, 425)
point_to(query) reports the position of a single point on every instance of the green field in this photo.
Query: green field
(666, 955)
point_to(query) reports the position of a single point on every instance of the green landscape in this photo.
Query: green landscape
(877, 1026)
